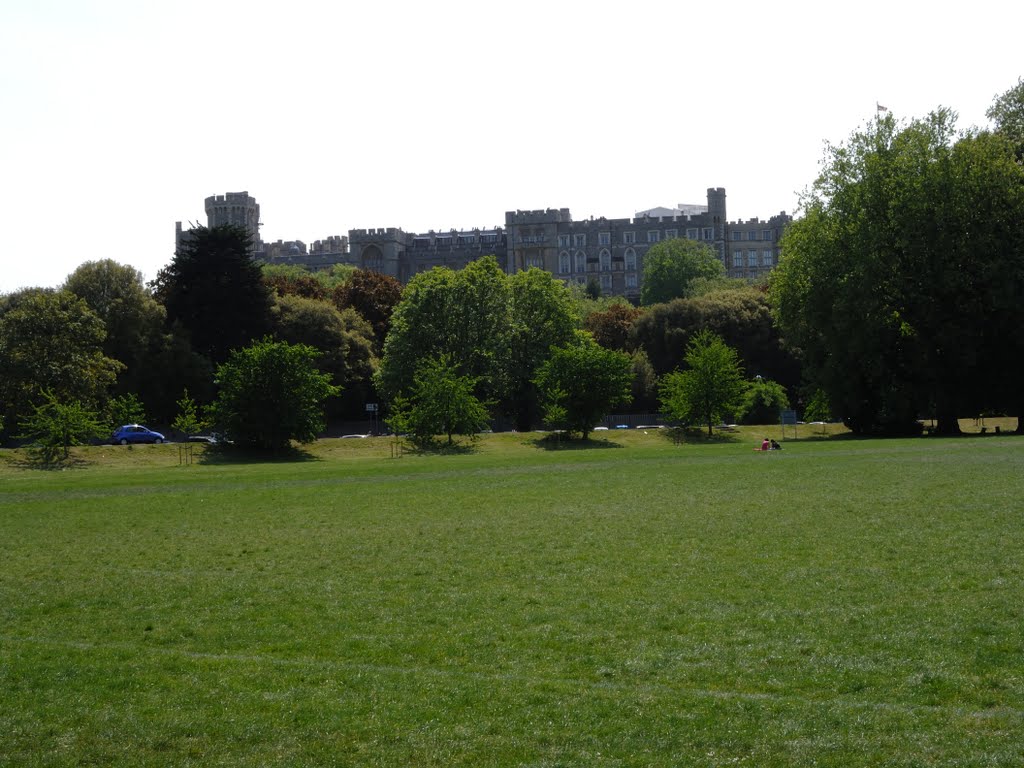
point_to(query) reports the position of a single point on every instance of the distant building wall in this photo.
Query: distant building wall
(609, 251)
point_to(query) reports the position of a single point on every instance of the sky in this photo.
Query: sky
(120, 117)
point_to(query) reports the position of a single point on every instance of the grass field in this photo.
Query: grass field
(636, 603)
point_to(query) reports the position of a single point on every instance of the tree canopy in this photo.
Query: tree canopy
(214, 290)
(542, 315)
(51, 341)
(440, 402)
(897, 283)
(343, 341)
(672, 266)
(581, 382)
(271, 393)
(710, 389)
(374, 296)
(461, 314)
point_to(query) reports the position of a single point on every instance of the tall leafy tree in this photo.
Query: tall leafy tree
(898, 278)
(710, 389)
(742, 316)
(213, 289)
(374, 296)
(440, 402)
(611, 327)
(542, 315)
(51, 341)
(1007, 112)
(462, 314)
(672, 266)
(271, 393)
(54, 426)
(133, 319)
(344, 344)
(581, 382)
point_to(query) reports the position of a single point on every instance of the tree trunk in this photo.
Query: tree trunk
(947, 424)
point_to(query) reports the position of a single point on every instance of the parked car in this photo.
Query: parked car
(135, 433)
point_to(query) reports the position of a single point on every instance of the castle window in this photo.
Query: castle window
(766, 234)
(709, 233)
(580, 241)
(691, 234)
(581, 261)
(604, 238)
(563, 241)
(671, 234)
(737, 259)
(752, 235)
(629, 238)
(630, 259)
(737, 235)
(606, 261)
(631, 279)
(766, 258)
(751, 258)
(563, 263)
(653, 236)
(606, 282)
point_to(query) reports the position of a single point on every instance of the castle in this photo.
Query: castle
(609, 251)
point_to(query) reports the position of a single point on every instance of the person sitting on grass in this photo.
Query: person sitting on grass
(776, 446)
(765, 445)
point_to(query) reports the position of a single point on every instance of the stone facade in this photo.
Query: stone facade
(753, 246)
(402, 254)
(609, 251)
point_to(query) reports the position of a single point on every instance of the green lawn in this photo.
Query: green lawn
(638, 603)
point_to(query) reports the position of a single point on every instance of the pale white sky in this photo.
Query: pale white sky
(121, 116)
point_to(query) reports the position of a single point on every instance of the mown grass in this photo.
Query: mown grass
(842, 602)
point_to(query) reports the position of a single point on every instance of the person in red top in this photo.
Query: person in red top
(766, 445)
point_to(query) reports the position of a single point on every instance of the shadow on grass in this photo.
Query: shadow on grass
(230, 454)
(27, 461)
(556, 441)
(439, 449)
(699, 436)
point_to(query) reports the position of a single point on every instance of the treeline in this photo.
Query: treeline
(898, 297)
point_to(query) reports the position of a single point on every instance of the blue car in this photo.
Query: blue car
(135, 433)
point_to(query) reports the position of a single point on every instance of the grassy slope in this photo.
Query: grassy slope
(843, 601)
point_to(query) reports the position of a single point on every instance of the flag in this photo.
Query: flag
(879, 108)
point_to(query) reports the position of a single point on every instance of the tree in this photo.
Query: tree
(741, 315)
(344, 344)
(644, 390)
(581, 382)
(374, 296)
(763, 401)
(818, 408)
(54, 426)
(897, 282)
(213, 289)
(462, 314)
(611, 327)
(1007, 112)
(671, 266)
(542, 315)
(291, 280)
(271, 393)
(441, 402)
(126, 409)
(134, 323)
(710, 389)
(188, 421)
(51, 341)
